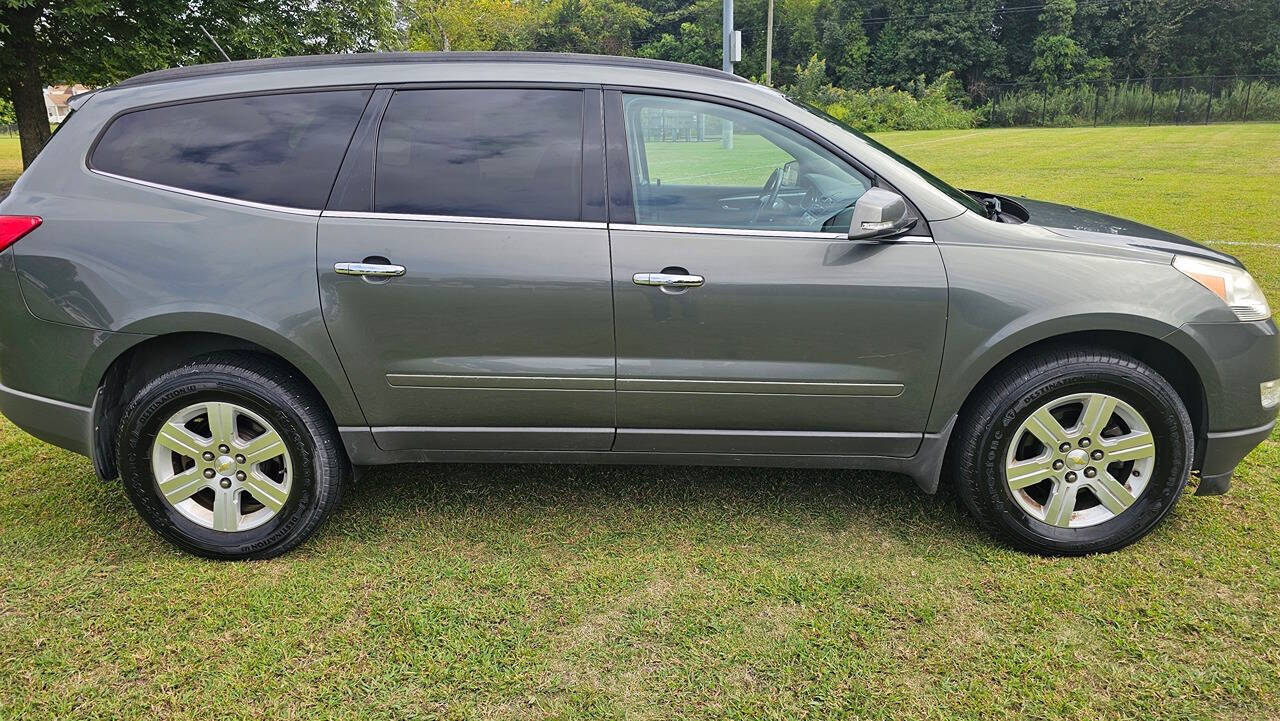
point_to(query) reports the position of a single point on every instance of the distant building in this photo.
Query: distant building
(55, 100)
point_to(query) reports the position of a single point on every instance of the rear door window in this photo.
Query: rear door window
(489, 153)
(281, 149)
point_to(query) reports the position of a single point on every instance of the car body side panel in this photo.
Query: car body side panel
(102, 274)
(49, 359)
(836, 341)
(491, 325)
(115, 255)
(1003, 300)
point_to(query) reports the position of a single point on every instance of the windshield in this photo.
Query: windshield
(959, 196)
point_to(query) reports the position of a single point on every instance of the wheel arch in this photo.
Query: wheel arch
(133, 367)
(1168, 360)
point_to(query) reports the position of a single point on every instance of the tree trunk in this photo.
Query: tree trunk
(26, 91)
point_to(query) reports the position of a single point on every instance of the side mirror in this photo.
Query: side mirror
(879, 213)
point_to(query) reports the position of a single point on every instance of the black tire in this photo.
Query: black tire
(276, 393)
(1000, 406)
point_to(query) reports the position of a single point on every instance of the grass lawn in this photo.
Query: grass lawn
(10, 161)
(648, 592)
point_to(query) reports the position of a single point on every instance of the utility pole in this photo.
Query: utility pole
(727, 37)
(768, 49)
(726, 132)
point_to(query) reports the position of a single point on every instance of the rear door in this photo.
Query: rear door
(747, 322)
(464, 270)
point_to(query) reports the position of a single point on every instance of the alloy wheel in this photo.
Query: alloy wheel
(222, 466)
(1080, 460)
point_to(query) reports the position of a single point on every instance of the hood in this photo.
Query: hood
(1101, 228)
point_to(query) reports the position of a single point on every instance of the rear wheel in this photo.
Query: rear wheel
(231, 457)
(1073, 452)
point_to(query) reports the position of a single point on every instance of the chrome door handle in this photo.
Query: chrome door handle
(376, 270)
(668, 280)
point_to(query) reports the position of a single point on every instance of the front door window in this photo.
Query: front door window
(698, 164)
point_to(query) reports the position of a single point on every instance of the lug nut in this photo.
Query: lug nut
(207, 455)
(1057, 465)
(1090, 472)
(225, 483)
(239, 458)
(1097, 454)
(240, 476)
(1064, 447)
(1084, 442)
(1071, 476)
(223, 448)
(208, 473)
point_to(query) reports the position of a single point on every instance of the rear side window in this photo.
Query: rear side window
(277, 149)
(495, 153)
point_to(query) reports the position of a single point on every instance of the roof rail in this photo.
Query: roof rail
(314, 61)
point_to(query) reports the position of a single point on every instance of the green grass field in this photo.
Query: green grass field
(504, 592)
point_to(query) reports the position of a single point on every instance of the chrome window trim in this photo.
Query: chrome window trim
(474, 220)
(757, 232)
(209, 196)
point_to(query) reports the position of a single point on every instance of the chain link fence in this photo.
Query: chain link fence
(1157, 101)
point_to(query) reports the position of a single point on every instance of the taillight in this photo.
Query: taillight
(13, 227)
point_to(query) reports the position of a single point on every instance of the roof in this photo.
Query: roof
(319, 61)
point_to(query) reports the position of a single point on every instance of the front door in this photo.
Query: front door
(469, 298)
(747, 322)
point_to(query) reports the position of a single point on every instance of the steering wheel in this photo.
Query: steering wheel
(769, 193)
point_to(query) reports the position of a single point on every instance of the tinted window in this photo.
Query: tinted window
(706, 165)
(483, 153)
(279, 149)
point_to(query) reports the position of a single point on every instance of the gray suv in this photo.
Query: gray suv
(232, 285)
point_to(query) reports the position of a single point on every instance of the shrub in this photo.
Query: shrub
(921, 106)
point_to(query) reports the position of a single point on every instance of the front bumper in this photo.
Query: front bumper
(1223, 452)
(63, 424)
(1233, 359)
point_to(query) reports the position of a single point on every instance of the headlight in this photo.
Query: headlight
(1233, 285)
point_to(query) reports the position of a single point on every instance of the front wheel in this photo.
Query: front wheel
(231, 457)
(1073, 452)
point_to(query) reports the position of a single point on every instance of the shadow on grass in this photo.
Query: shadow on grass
(715, 500)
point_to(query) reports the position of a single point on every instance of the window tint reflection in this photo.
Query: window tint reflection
(279, 149)
(501, 153)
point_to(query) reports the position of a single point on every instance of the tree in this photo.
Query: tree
(1058, 57)
(921, 38)
(468, 24)
(844, 44)
(609, 27)
(97, 42)
(695, 44)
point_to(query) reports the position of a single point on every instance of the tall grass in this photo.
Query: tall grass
(1134, 103)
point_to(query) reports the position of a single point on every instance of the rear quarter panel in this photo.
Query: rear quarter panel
(117, 256)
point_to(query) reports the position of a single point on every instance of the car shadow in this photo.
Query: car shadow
(512, 496)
